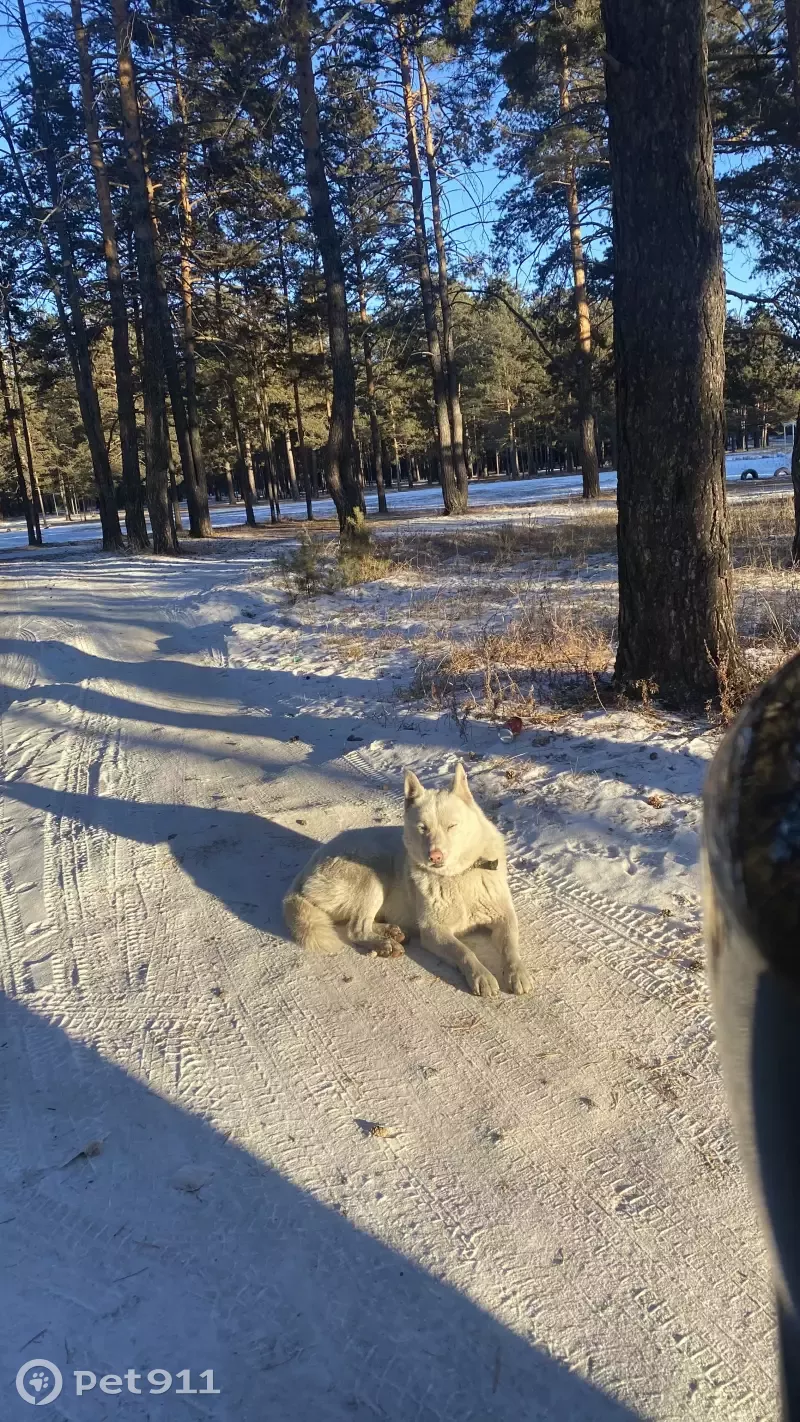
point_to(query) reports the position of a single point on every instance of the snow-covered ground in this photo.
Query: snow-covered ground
(552, 1223)
(519, 492)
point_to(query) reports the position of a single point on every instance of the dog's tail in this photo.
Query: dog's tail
(309, 925)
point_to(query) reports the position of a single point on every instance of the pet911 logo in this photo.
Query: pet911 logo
(39, 1381)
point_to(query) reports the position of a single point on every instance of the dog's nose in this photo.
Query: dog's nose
(436, 857)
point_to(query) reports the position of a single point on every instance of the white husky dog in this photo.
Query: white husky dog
(441, 875)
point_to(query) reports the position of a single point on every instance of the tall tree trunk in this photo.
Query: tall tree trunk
(590, 468)
(29, 509)
(445, 305)
(298, 407)
(64, 497)
(73, 326)
(792, 15)
(156, 436)
(289, 437)
(193, 474)
(342, 481)
(366, 337)
(676, 625)
(269, 452)
(233, 406)
(189, 439)
(248, 469)
(322, 350)
(135, 524)
(454, 501)
(395, 445)
(175, 497)
(33, 483)
(512, 442)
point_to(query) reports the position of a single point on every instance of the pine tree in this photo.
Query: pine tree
(341, 473)
(554, 143)
(69, 298)
(676, 626)
(135, 525)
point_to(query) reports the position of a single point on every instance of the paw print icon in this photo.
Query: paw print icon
(39, 1382)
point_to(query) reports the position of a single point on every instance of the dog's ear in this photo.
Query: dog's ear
(460, 787)
(414, 789)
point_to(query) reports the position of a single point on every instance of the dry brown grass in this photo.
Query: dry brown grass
(504, 544)
(556, 647)
(488, 641)
(320, 565)
(766, 586)
(549, 649)
(761, 530)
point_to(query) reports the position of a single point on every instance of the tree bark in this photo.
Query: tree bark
(676, 624)
(512, 442)
(29, 509)
(590, 468)
(342, 482)
(193, 475)
(248, 469)
(175, 498)
(74, 325)
(445, 305)
(156, 436)
(269, 452)
(233, 406)
(366, 337)
(186, 418)
(395, 445)
(792, 14)
(454, 501)
(298, 408)
(135, 524)
(35, 492)
(288, 444)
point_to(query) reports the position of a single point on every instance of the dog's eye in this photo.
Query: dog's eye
(449, 827)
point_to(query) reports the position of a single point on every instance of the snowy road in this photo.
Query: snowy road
(519, 492)
(553, 1226)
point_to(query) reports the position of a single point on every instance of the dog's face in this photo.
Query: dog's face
(442, 830)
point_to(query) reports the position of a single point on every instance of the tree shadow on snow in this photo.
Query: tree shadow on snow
(204, 687)
(174, 1248)
(245, 861)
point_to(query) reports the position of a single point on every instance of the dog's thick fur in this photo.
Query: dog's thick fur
(441, 875)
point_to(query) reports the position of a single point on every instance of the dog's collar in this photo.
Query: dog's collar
(485, 864)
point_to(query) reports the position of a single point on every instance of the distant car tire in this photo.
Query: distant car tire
(749, 474)
(783, 470)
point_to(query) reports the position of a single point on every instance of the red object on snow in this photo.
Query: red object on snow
(514, 724)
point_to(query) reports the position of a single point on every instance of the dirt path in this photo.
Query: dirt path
(552, 1224)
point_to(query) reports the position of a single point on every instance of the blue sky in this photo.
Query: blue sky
(473, 203)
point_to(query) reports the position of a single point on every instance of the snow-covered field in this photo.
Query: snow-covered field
(552, 1223)
(487, 494)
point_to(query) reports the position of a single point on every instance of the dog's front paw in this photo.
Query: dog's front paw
(390, 943)
(482, 982)
(519, 980)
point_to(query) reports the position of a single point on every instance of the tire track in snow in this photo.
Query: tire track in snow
(628, 954)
